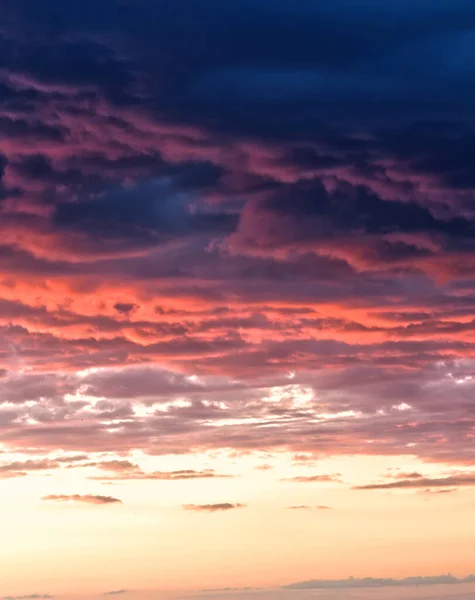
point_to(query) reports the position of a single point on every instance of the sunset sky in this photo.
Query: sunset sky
(237, 299)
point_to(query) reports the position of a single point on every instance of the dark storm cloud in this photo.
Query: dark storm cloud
(150, 214)
(261, 51)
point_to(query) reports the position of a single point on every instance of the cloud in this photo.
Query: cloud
(75, 458)
(29, 597)
(230, 589)
(336, 478)
(224, 506)
(306, 507)
(467, 479)
(403, 475)
(21, 469)
(371, 582)
(29, 465)
(203, 238)
(137, 474)
(115, 592)
(88, 499)
(124, 307)
(440, 491)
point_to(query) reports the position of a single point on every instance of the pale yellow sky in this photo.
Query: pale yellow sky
(149, 541)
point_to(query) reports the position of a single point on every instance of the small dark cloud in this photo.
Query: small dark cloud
(115, 592)
(88, 499)
(212, 507)
(124, 307)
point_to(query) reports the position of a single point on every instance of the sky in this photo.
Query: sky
(237, 299)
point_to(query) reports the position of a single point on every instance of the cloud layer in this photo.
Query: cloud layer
(224, 228)
(374, 582)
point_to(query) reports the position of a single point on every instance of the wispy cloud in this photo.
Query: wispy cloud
(423, 482)
(307, 507)
(22, 468)
(29, 597)
(212, 507)
(137, 474)
(439, 491)
(88, 499)
(335, 478)
(230, 589)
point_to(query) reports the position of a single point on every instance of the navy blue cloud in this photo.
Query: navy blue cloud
(224, 64)
(275, 73)
(326, 50)
(148, 214)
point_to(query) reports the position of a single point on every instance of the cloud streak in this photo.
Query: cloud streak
(307, 507)
(372, 582)
(220, 507)
(87, 499)
(138, 475)
(29, 597)
(423, 482)
(316, 479)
